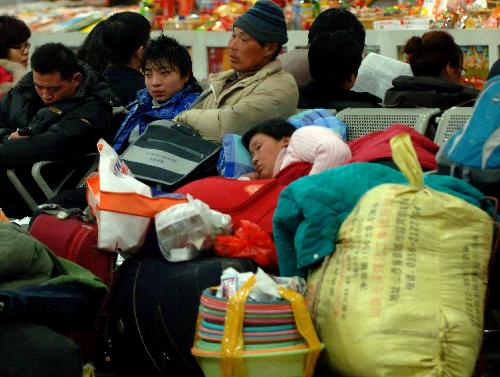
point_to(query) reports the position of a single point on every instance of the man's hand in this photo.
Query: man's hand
(15, 135)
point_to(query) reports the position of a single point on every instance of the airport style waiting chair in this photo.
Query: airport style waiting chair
(73, 169)
(362, 121)
(450, 121)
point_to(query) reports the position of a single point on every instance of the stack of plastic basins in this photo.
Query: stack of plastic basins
(272, 344)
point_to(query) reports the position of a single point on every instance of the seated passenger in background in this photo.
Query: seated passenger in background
(256, 88)
(334, 60)
(437, 63)
(92, 51)
(14, 51)
(170, 89)
(275, 144)
(125, 35)
(58, 110)
(296, 61)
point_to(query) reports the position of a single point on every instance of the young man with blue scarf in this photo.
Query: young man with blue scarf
(170, 89)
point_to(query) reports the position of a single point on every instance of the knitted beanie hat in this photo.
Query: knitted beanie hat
(265, 22)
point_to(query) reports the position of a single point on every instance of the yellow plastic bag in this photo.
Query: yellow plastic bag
(88, 370)
(403, 294)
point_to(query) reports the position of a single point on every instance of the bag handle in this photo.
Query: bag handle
(405, 157)
(232, 339)
(304, 326)
(62, 213)
(182, 127)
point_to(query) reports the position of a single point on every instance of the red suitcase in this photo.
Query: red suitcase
(76, 240)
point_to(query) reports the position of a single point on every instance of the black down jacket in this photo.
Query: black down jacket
(67, 128)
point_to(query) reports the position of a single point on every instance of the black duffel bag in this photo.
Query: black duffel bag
(153, 313)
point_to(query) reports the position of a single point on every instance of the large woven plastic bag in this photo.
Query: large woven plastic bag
(403, 294)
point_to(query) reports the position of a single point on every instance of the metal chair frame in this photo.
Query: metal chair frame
(362, 121)
(47, 190)
(450, 121)
(297, 111)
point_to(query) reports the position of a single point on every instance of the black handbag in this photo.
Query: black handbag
(169, 154)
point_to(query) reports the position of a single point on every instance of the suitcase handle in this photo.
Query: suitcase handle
(64, 213)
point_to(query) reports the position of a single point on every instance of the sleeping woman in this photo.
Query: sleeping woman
(276, 144)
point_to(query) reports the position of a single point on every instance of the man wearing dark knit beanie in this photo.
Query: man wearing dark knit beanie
(256, 88)
(265, 22)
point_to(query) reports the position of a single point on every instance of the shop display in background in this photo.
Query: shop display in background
(468, 14)
(62, 16)
(209, 16)
(158, 11)
(220, 15)
(215, 15)
(434, 14)
(218, 59)
(476, 65)
(303, 13)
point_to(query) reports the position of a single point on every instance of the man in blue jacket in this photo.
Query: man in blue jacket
(58, 110)
(170, 89)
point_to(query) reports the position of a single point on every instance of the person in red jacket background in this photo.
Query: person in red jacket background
(14, 51)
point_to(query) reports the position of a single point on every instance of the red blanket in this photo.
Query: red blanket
(376, 146)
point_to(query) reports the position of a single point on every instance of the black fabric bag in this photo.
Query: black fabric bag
(63, 307)
(32, 350)
(485, 180)
(153, 313)
(171, 154)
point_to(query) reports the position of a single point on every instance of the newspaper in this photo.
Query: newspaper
(376, 73)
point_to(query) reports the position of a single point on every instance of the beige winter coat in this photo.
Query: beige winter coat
(269, 93)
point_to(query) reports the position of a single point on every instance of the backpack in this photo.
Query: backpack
(473, 152)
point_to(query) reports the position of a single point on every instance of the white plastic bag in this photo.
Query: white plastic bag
(186, 229)
(122, 205)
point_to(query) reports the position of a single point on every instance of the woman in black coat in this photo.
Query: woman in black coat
(437, 63)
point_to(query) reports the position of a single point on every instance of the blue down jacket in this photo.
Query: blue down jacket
(141, 112)
(311, 209)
